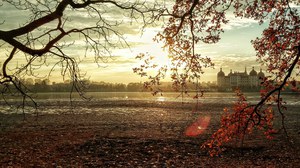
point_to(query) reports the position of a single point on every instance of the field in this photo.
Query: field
(123, 133)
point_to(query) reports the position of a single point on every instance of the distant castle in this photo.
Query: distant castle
(240, 80)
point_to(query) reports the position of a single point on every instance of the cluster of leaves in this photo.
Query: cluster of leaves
(154, 80)
(184, 30)
(244, 119)
(278, 48)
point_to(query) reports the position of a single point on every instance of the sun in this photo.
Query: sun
(160, 56)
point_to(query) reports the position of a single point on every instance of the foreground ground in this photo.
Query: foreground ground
(131, 140)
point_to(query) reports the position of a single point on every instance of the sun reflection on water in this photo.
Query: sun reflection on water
(161, 99)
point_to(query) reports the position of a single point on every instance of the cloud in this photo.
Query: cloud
(236, 61)
(238, 23)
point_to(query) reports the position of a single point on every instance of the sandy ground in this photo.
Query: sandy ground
(136, 139)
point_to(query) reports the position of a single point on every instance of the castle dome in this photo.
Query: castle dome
(253, 72)
(261, 74)
(221, 73)
(230, 74)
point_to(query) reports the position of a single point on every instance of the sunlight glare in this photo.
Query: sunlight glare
(160, 55)
(161, 99)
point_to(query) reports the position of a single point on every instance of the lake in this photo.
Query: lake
(131, 114)
(129, 102)
(209, 97)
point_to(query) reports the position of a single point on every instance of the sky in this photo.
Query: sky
(234, 50)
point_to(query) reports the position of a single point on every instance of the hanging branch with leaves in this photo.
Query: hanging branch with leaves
(195, 22)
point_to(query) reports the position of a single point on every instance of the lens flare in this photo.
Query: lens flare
(198, 127)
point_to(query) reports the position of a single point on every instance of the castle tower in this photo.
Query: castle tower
(221, 78)
(260, 75)
(253, 78)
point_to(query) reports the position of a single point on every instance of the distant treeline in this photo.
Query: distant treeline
(45, 86)
(91, 86)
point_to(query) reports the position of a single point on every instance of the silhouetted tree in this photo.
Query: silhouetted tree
(46, 35)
